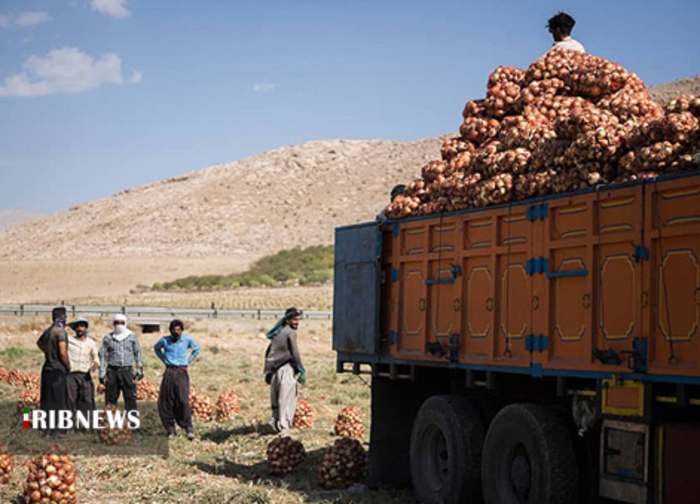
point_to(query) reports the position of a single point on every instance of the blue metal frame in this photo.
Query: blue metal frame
(565, 274)
(536, 370)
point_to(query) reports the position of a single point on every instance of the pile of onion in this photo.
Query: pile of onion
(15, 378)
(28, 398)
(348, 423)
(30, 380)
(51, 479)
(571, 121)
(114, 436)
(146, 391)
(343, 464)
(285, 456)
(6, 464)
(228, 404)
(202, 406)
(4, 375)
(303, 416)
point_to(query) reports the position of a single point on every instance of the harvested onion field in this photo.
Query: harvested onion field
(227, 462)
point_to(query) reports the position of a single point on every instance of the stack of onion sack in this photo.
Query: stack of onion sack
(4, 375)
(6, 464)
(202, 406)
(29, 398)
(30, 381)
(569, 122)
(285, 456)
(343, 464)
(349, 423)
(146, 391)
(51, 479)
(118, 435)
(227, 406)
(303, 416)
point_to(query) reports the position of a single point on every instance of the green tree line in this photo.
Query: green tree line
(312, 265)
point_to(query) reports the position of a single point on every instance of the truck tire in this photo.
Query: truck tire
(446, 445)
(529, 458)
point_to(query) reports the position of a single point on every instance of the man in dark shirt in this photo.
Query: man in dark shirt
(54, 343)
(283, 368)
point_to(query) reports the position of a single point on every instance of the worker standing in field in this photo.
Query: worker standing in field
(283, 368)
(176, 351)
(54, 343)
(120, 352)
(560, 27)
(84, 359)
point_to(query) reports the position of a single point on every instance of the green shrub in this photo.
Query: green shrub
(312, 265)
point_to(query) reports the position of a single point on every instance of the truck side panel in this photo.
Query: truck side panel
(605, 281)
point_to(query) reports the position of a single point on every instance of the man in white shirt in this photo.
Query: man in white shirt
(560, 27)
(83, 358)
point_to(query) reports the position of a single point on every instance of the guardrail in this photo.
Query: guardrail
(153, 313)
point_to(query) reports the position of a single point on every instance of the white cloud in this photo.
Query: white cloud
(264, 87)
(63, 71)
(136, 77)
(32, 18)
(112, 8)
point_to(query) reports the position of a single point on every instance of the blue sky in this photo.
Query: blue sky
(97, 96)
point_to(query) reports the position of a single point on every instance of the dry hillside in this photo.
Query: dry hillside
(214, 220)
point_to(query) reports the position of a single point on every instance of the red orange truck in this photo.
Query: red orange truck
(539, 352)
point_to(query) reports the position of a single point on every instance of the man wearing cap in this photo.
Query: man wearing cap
(119, 354)
(84, 359)
(176, 351)
(53, 342)
(283, 368)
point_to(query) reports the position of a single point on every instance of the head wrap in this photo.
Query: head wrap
(120, 331)
(58, 315)
(291, 313)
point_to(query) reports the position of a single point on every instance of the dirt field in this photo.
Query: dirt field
(227, 461)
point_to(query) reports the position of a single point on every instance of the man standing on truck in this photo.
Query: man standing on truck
(283, 368)
(54, 343)
(398, 190)
(560, 27)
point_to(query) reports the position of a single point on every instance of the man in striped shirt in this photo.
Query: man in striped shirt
(83, 357)
(120, 352)
(176, 351)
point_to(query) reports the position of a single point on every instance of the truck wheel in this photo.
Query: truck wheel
(529, 458)
(446, 445)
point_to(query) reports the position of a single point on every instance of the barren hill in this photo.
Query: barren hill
(286, 197)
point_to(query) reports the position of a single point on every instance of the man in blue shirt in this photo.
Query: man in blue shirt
(176, 351)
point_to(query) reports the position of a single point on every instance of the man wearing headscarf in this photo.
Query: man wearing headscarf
(120, 352)
(283, 368)
(84, 359)
(176, 351)
(53, 342)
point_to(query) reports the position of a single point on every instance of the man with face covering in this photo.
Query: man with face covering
(283, 368)
(54, 343)
(84, 359)
(176, 351)
(120, 352)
